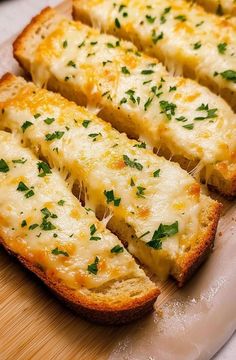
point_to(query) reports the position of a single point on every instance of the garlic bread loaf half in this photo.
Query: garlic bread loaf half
(176, 117)
(186, 38)
(49, 231)
(156, 208)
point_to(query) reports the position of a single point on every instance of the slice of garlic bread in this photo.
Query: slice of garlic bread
(49, 231)
(154, 206)
(186, 38)
(219, 7)
(179, 118)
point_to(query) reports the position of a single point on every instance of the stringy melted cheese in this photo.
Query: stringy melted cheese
(72, 225)
(182, 25)
(93, 154)
(114, 75)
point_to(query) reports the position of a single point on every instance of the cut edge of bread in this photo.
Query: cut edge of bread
(187, 263)
(223, 177)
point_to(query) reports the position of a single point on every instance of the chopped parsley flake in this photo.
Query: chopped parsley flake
(188, 126)
(157, 173)
(26, 125)
(19, 161)
(150, 19)
(3, 166)
(56, 251)
(141, 145)
(117, 249)
(43, 168)
(132, 163)
(181, 18)
(22, 187)
(111, 197)
(85, 123)
(229, 75)
(49, 121)
(71, 63)
(156, 37)
(117, 23)
(61, 202)
(162, 232)
(36, 116)
(211, 113)
(125, 70)
(65, 44)
(147, 72)
(56, 135)
(140, 191)
(24, 223)
(163, 15)
(222, 47)
(29, 194)
(93, 268)
(167, 108)
(33, 226)
(197, 45)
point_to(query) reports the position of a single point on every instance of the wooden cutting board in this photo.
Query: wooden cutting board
(33, 323)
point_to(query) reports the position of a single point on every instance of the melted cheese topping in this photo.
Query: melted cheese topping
(183, 34)
(220, 7)
(103, 160)
(27, 231)
(163, 110)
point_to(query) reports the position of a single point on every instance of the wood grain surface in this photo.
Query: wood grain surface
(33, 323)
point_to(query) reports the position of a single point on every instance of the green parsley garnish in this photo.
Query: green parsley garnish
(65, 44)
(56, 135)
(117, 23)
(162, 232)
(36, 116)
(117, 249)
(211, 113)
(222, 47)
(33, 226)
(49, 121)
(147, 72)
(93, 268)
(111, 197)
(155, 37)
(181, 18)
(197, 45)
(26, 125)
(188, 126)
(157, 173)
(163, 15)
(132, 163)
(43, 168)
(56, 251)
(85, 123)
(22, 187)
(71, 63)
(167, 108)
(93, 229)
(19, 161)
(150, 19)
(125, 70)
(61, 202)
(3, 166)
(229, 75)
(140, 191)
(24, 223)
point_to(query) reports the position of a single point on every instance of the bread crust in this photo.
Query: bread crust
(188, 264)
(223, 181)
